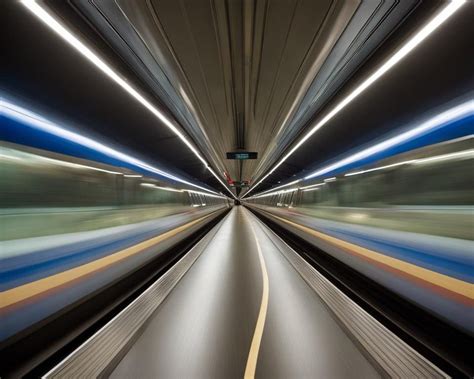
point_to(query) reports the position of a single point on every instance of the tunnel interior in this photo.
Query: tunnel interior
(231, 188)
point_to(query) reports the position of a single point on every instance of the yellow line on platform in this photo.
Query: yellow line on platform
(447, 282)
(37, 287)
(262, 315)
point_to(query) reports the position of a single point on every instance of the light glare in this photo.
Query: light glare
(25, 116)
(419, 37)
(65, 34)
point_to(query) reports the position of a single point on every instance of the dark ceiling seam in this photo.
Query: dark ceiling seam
(316, 37)
(261, 47)
(199, 63)
(276, 77)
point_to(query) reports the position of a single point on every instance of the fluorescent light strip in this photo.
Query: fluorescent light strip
(282, 186)
(419, 37)
(206, 194)
(24, 116)
(74, 165)
(57, 162)
(312, 189)
(151, 185)
(65, 34)
(453, 114)
(312, 186)
(456, 113)
(376, 168)
(220, 181)
(35, 121)
(445, 157)
(274, 193)
(3, 156)
(168, 189)
(154, 186)
(464, 154)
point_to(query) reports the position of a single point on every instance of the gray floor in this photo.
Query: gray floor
(204, 328)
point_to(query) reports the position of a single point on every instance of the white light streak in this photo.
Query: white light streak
(3, 156)
(154, 186)
(312, 189)
(312, 186)
(444, 157)
(408, 47)
(274, 193)
(169, 189)
(456, 113)
(206, 194)
(72, 40)
(220, 181)
(35, 121)
(282, 186)
(377, 168)
(58, 162)
(151, 185)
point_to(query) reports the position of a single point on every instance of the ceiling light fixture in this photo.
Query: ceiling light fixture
(65, 34)
(412, 43)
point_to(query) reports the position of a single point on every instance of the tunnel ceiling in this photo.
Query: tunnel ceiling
(234, 74)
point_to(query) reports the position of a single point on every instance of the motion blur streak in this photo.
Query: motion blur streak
(456, 113)
(418, 38)
(343, 134)
(51, 22)
(35, 121)
(36, 288)
(465, 291)
(410, 235)
(72, 226)
(444, 119)
(462, 154)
